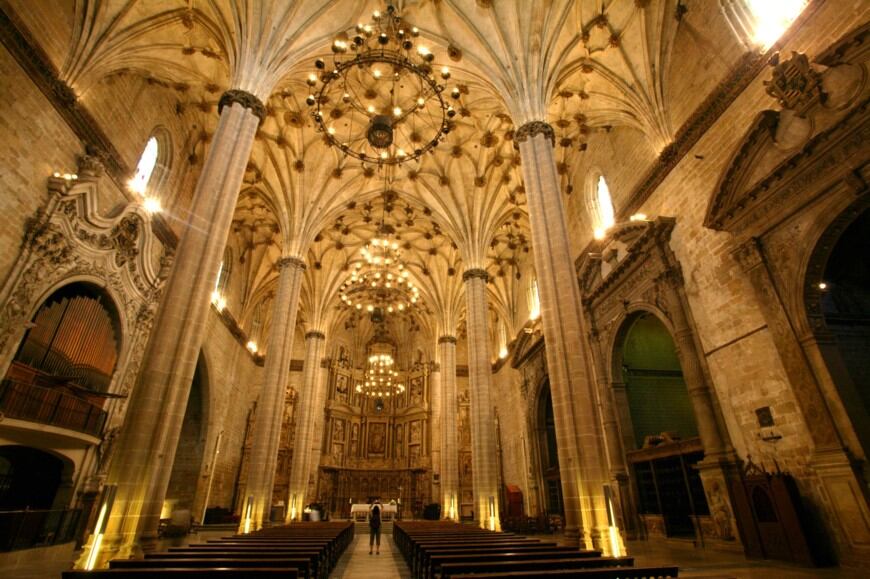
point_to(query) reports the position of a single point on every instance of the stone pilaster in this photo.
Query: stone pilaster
(483, 447)
(304, 438)
(578, 429)
(270, 405)
(146, 448)
(319, 416)
(449, 444)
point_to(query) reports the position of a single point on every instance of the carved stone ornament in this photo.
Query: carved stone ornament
(794, 83)
(475, 273)
(314, 334)
(447, 340)
(290, 261)
(245, 99)
(69, 240)
(532, 129)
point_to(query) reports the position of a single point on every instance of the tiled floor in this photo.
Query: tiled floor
(356, 563)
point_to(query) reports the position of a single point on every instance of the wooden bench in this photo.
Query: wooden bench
(176, 573)
(657, 572)
(452, 569)
(432, 565)
(303, 566)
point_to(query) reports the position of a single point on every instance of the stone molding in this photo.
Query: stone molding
(69, 240)
(244, 98)
(475, 272)
(314, 334)
(447, 339)
(289, 261)
(533, 129)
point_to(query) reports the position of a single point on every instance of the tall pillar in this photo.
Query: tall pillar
(319, 420)
(146, 448)
(483, 450)
(303, 438)
(435, 396)
(270, 406)
(578, 430)
(449, 444)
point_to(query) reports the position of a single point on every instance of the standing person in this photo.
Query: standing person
(375, 527)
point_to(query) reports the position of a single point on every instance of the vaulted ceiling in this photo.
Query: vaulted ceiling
(586, 66)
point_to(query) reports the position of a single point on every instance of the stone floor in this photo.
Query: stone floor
(356, 563)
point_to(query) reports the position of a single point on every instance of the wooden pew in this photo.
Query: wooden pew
(450, 570)
(434, 561)
(175, 573)
(303, 566)
(657, 572)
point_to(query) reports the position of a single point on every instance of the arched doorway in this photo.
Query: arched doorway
(35, 490)
(844, 341)
(548, 453)
(184, 480)
(658, 427)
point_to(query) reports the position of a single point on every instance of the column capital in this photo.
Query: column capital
(532, 129)
(447, 339)
(475, 272)
(290, 261)
(245, 99)
(314, 334)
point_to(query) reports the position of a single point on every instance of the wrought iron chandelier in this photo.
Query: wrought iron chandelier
(380, 378)
(381, 283)
(379, 100)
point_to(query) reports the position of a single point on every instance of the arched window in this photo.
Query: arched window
(502, 340)
(147, 162)
(152, 170)
(256, 329)
(773, 18)
(600, 205)
(534, 299)
(218, 296)
(760, 23)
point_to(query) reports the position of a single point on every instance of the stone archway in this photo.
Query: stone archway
(547, 451)
(636, 270)
(658, 427)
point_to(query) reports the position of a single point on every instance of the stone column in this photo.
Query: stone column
(435, 395)
(483, 450)
(270, 405)
(319, 420)
(146, 449)
(578, 431)
(624, 510)
(303, 439)
(449, 444)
